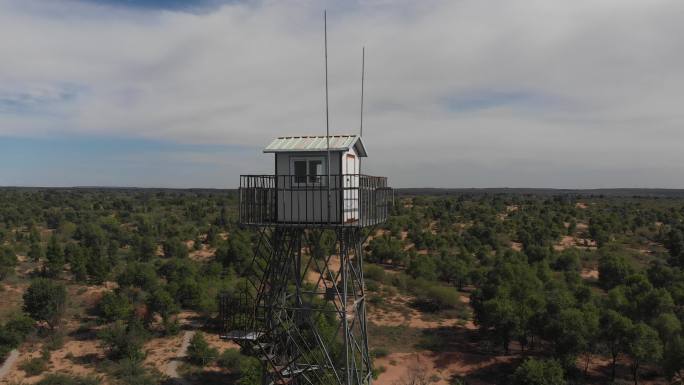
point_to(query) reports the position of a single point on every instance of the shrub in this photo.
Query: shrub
(230, 359)
(34, 366)
(250, 372)
(13, 332)
(539, 372)
(375, 273)
(115, 307)
(45, 300)
(379, 352)
(124, 340)
(131, 372)
(438, 298)
(64, 379)
(613, 270)
(7, 261)
(199, 351)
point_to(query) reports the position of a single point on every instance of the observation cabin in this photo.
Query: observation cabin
(317, 181)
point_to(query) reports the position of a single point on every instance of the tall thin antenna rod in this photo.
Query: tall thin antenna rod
(363, 72)
(327, 119)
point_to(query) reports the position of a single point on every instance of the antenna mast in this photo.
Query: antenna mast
(363, 72)
(327, 119)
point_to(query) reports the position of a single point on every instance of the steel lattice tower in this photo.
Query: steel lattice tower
(302, 311)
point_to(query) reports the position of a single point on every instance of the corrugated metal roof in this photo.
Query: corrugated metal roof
(316, 143)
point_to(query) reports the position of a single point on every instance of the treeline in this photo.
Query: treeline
(533, 295)
(135, 241)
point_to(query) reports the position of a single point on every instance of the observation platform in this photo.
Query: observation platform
(305, 200)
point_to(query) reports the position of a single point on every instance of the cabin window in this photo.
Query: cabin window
(300, 171)
(308, 171)
(315, 171)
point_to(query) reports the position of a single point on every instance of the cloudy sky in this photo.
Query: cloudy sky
(459, 93)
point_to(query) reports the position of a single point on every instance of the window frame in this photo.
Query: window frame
(308, 183)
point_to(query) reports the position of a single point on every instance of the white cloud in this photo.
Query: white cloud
(600, 82)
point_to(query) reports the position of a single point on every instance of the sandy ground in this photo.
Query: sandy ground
(11, 298)
(80, 350)
(440, 366)
(313, 276)
(161, 351)
(399, 366)
(565, 242)
(581, 205)
(592, 273)
(517, 246)
(75, 357)
(408, 317)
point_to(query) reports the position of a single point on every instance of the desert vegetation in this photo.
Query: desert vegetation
(120, 286)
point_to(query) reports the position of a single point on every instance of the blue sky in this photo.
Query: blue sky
(101, 161)
(469, 93)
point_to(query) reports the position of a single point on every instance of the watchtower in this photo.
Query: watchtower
(302, 311)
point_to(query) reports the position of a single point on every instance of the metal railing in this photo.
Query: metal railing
(354, 200)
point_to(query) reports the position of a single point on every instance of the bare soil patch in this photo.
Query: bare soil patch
(565, 242)
(591, 273)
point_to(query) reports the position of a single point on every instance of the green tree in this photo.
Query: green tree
(423, 266)
(572, 333)
(236, 252)
(175, 248)
(144, 248)
(115, 306)
(124, 340)
(162, 303)
(500, 314)
(250, 372)
(615, 334)
(7, 261)
(644, 346)
(668, 326)
(673, 358)
(539, 372)
(45, 301)
(97, 266)
(54, 258)
(613, 270)
(199, 351)
(36, 252)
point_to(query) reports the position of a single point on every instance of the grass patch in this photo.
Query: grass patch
(394, 338)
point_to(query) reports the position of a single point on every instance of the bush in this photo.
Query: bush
(437, 298)
(45, 300)
(34, 366)
(613, 270)
(539, 372)
(7, 261)
(124, 340)
(114, 307)
(379, 352)
(199, 351)
(13, 332)
(131, 372)
(64, 379)
(375, 273)
(231, 359)
(250, 372)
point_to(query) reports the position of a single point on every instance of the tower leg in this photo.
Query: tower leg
(312, 298)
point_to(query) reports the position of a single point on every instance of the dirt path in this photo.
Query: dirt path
(9, 363)
(172, 366)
